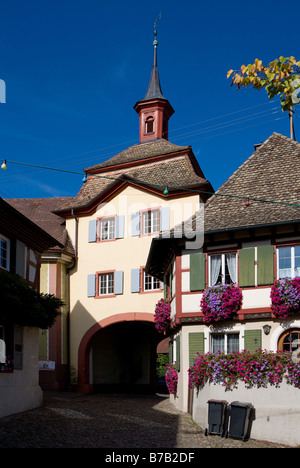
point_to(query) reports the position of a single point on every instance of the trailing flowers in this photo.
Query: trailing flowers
(162, 315)
(220, 302)
(257, 369)
(171, 378)
(285, 297)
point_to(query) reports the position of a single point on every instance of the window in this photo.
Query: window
(225, 342)
(107, 229)
(106, 284)
(149, 125)
(150, 221)
(2, 346)
(222, 269)
(288, 262)
(150, 283)
(7, 357)
(4, 253)
(289, 340)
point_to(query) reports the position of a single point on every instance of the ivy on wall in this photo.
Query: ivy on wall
(23, 305)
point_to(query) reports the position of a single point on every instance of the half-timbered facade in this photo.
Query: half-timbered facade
(251, 238)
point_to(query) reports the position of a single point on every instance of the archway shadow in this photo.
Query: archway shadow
(117, 354)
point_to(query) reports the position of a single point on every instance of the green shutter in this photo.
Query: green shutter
(196, 345)
(197, 272)
(177, 339)
(165, 286)
(170, 351)
(246, 267)
(265, 264)
(252, 340)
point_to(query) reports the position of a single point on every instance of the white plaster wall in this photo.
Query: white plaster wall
(20, 390)
(277, 410)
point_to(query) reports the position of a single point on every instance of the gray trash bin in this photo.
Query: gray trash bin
(216, 417)
(240, 420)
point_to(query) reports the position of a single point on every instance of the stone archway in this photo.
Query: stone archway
(131, 358)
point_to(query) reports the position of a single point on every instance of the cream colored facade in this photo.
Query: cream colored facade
(118, 255)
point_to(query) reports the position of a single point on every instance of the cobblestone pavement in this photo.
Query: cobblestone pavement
(70, 420)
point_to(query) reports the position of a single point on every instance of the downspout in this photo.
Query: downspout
(73, 264)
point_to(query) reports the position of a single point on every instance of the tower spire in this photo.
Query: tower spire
(154, 89)
(154, 109)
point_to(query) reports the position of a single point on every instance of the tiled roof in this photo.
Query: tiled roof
(40, 211)
(139, 152)
(176, 171)
(271, 174)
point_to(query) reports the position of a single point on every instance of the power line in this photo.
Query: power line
(139, 182)
(208, 129)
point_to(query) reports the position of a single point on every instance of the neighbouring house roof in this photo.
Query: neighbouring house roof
(269, 177)
(40, 212)
(158, 163)
(15, 224)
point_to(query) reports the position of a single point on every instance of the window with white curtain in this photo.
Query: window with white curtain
(4, 253)
(223, 269)
(225, 342)
(2, 346)
(288, 262)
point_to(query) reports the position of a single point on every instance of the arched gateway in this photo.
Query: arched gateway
(118, 354)
(123, 203)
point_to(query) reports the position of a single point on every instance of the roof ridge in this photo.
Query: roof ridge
(40, 198)
(218, 192)
(169, 148)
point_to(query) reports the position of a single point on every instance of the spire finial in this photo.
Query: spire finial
(155, 42)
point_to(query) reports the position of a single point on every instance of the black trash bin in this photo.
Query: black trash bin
(216, 417)
(240, 420)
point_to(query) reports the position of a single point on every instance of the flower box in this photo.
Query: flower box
(220, 302)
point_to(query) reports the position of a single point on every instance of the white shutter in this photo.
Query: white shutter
(118, 282)
(135, 280)
(93, 230)
(120, 224)
(91, 285)
(135, 224)
(165, 218)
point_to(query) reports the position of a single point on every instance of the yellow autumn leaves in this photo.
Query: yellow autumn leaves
(280, 77)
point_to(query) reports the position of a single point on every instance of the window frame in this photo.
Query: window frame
(8, 339)
(223, 266)
(153, 279)
(225, 335)
(108, 219)
(292, 250)
(144, 213)
(7, 241)
(149, 122)
(99, 292)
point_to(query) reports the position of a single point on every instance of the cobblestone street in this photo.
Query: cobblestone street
(69, 420)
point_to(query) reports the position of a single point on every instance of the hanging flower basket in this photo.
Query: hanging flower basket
(220, 302)
(171, 378)
(285, 297)
(162, 316)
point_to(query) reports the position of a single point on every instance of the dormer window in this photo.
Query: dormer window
(149, 125)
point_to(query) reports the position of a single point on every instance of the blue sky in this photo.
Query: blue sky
(74, 70)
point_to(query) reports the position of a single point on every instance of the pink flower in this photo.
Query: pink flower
(162, 315)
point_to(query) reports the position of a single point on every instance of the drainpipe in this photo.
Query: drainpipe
(69, 270)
